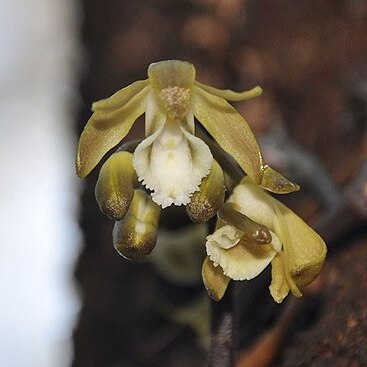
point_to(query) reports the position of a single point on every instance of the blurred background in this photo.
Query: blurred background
(67, 298)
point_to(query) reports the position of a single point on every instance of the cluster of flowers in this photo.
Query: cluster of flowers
(173, 166)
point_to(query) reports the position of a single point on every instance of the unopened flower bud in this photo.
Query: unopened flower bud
(114, 189)
(135, 236)
(206, 202)
(215, 281)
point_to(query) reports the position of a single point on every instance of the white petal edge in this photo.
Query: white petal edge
(225, 237)
(239, 261)
(172, 163)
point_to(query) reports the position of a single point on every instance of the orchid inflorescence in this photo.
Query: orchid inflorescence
(180, 163)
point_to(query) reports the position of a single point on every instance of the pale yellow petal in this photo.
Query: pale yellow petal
(100, 135)
(154, 115)
(305, 249)
(121, 97)
(172, 82)
(254, 202)
(169, 73)
(279, 288)
(231, 95)
(243, 261)
(230, 130)
(215, 281)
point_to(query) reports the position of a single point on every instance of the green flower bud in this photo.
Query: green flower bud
(114, 189)
(135, 236)
(206, 202)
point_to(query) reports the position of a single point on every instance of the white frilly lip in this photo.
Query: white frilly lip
(238, 260)
(171, 161)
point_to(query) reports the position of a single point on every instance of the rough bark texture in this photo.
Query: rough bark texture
(310, 58)
(332, 327)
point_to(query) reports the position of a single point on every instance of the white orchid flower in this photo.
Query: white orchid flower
(171, 161)
(239, 250)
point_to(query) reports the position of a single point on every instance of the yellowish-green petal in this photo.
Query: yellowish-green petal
(172, 81)
(305, 250)
(101, 133)
(231, 95)
(120, 98)
(230, 130)
(279, 288)
(254, 202)
(215, 281)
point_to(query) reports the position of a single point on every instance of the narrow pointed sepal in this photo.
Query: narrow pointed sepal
(230, 130)
(231, 95)
(279, 287)
(114, 189)
(305, 251)
(273, 181)
(215, 281)
(105, 129)
(135, 236)
(172, 82)
(205, 203)
(120, 98)
(303, 255)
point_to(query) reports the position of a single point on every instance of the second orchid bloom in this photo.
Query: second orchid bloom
(255, 230)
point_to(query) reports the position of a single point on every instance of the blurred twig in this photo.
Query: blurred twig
(221, 348)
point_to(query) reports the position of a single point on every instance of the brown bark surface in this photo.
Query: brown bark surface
(310, 57)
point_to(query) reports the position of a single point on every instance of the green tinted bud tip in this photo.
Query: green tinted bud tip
(114, 189)
(206, 202)
(135, 236)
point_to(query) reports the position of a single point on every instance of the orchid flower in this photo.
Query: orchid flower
(171, 161)
(255, 230)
